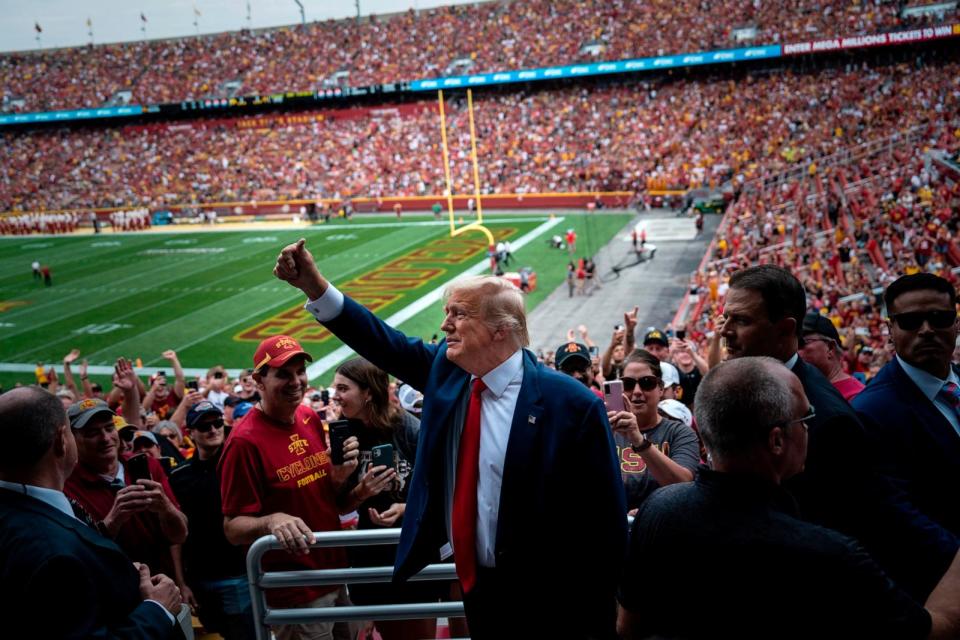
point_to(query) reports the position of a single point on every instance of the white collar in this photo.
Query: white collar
(792, 362)
(498, 379)
(52, 497)
(928, 383)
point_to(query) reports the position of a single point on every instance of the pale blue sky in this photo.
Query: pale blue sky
(64, 21)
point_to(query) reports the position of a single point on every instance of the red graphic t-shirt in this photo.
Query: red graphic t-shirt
(271, 467)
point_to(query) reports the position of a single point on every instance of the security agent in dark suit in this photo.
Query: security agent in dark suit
(839, 487)
(59, 578)
(912, 407)
(540, 548)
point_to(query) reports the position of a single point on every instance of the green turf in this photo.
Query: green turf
(135, 295)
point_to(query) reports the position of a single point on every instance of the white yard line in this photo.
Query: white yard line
(329, 361)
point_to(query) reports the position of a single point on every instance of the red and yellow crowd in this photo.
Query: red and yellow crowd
(494, 36)
(633, 137)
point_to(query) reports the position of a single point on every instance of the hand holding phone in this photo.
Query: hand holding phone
(613, 395)
(339, 432)
(138, 467)
(383, 455)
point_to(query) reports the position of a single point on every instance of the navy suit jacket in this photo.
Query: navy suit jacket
(841, 488)
(59, 578)
(562, 515)
(916, 447)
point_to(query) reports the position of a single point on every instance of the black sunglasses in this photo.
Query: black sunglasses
(913, 320)
(647, 383)
(127, 434)
(204, 427)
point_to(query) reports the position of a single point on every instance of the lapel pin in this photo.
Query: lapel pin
(532, 419)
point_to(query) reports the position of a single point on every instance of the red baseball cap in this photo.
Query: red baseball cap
(276, 351)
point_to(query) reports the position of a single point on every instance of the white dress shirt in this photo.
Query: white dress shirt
(930, 385)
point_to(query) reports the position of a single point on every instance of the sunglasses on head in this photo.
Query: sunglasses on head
(913, 320)
(207, 426)
(647, 383)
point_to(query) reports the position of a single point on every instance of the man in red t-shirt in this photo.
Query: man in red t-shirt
(143, 516)
(277, 478)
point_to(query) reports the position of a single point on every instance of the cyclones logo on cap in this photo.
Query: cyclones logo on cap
(285, 343)
(89, 403)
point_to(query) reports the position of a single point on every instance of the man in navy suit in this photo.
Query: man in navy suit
(59, 578)
(839, 487)
(912, 407)
(516, 466)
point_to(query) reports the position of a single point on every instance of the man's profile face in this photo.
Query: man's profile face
(286, 385)
(746, 329)
(926, 347)
(98, 442)
(468, 336)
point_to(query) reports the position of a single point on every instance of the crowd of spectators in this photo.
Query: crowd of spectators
(637, 136)
(847, 231)
(493, 36)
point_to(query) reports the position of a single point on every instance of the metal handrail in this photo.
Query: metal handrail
(259, 580)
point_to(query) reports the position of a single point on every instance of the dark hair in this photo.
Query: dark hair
(782, 293)
(918, 282)
(644, 357)
(382, 414)
(29, 419)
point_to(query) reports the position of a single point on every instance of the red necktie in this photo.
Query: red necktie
(465, 493)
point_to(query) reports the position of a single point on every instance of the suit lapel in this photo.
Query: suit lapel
(525, 432)
(927, 414)
(42, 509)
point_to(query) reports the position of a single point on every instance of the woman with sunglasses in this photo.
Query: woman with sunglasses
(654, 450)
(379, 493)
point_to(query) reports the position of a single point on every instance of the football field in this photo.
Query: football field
(211, 296)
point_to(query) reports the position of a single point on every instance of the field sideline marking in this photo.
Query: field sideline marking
(333, 358)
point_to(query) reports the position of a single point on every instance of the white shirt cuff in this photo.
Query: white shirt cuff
(328, 306)
(169, 615)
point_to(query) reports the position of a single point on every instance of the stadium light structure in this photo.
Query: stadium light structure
(303, 17)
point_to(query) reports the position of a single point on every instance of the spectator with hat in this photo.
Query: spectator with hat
(141, 516)
(671, 381)
(573, 359)
(59, 577)
(210, 572)
(822, 348)
(657, 343)
(277, 478)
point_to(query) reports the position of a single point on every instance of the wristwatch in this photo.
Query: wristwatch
(643, 446)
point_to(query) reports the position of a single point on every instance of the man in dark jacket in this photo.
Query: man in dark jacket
(839, 487)
(59, 578)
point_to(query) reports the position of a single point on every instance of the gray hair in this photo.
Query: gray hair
(165, 424)
(738, 402)
(498, 301)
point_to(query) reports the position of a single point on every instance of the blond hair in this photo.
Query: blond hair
(498, 302)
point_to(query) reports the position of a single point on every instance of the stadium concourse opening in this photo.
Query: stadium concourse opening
(627, 166)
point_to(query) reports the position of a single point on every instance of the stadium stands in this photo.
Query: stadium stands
(487, 36)
(652, 133)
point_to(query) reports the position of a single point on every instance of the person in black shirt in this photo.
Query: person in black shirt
(214, 569)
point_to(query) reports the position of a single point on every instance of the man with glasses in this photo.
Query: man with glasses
(821, 348)
(768, 573)
(840, 487)
(210, 572)
(912, 406)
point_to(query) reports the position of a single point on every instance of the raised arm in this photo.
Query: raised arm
(180, 381)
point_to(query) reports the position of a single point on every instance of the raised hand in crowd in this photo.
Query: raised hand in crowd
(296, 266)
(179, 416)
(630, 329)
(127, 386)
(68, 374)
(180, 382)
